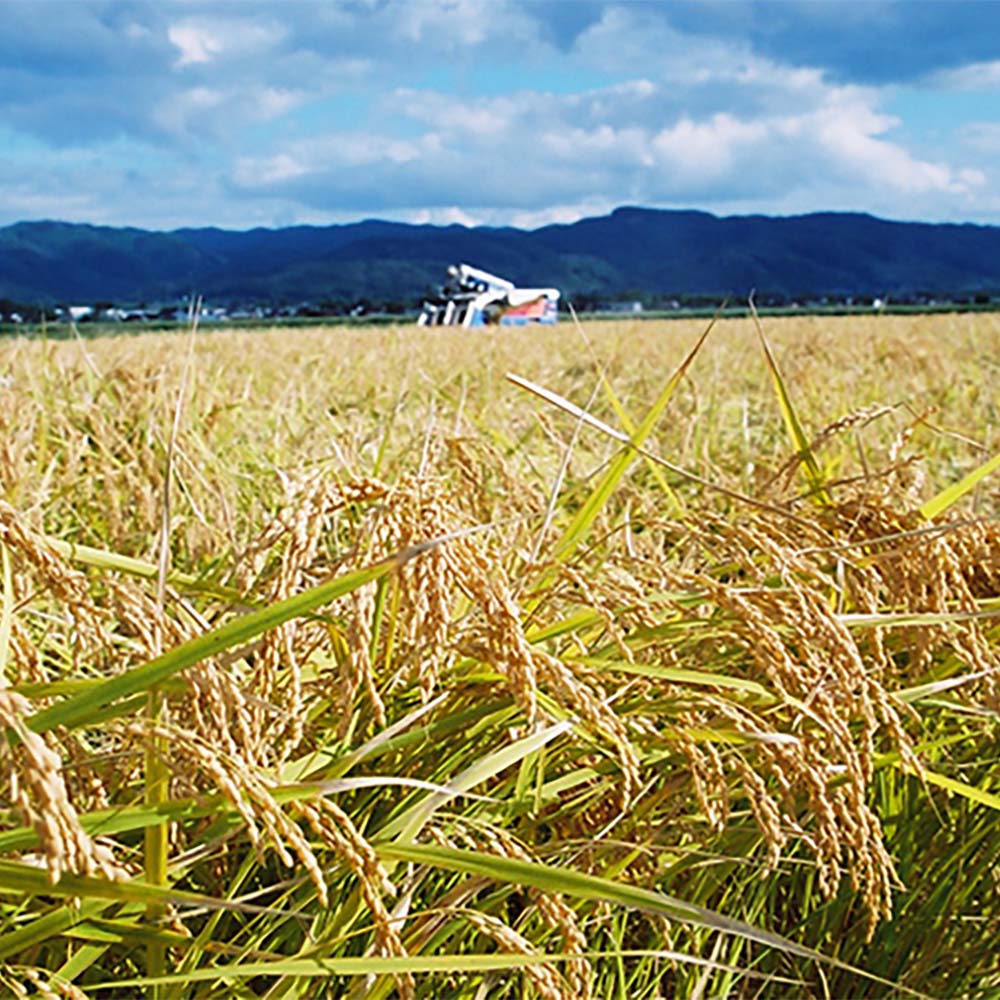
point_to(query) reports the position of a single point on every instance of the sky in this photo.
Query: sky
(500, 112)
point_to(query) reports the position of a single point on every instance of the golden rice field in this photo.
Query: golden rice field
(336, 663)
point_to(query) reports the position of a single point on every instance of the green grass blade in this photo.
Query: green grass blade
(77, 710)
(625, 420)
(396, 965)
(931, 689)
(18, 878)
(410, 823)
(551, 879)
(118, 931)
(102, 559)
(129, 819)
(680, 675)
(322, 968)
(810, 466)
(970, 792)
(581, 886)
(892, 619)
(156, 855)
(29, 880)
(567, 407)
(947, 497)
(41, 929)
(599, 496)
(82, 958)
(299, 770)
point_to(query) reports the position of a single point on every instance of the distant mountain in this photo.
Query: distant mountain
(633, 251)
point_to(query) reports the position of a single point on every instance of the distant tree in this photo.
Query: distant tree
(584, 301)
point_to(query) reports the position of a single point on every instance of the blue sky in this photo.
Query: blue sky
(241, 114)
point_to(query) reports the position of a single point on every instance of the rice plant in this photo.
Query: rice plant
(640, 661)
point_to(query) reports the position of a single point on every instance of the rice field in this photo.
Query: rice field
(640, 660)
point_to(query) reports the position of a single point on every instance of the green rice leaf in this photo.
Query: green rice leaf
(581, 886)
(793, 425)
(397, 965)
(970, 792)
(103, 559)
(30, 880)
(79, 709)
(409, 824)
(49, 925)
(948, 497)
(679, 675)
(625, 420)
(578, 527)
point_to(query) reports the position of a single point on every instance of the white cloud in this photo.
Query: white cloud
(449, 215)
(708, 149)
(558, 214)
(462, 22)
(851, 133)
(276, 169)
(327, 110)
(983, 136)
(196, 44)
(204, 39)
(974, 76)
(523, 153)
(344, 150)
(208, 111)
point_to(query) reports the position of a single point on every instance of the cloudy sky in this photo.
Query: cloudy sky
(239, 114)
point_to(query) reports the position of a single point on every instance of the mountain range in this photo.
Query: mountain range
(631, 252)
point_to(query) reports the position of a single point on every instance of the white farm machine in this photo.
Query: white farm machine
(471, 297)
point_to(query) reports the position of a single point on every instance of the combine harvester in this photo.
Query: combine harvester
(471, 297)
